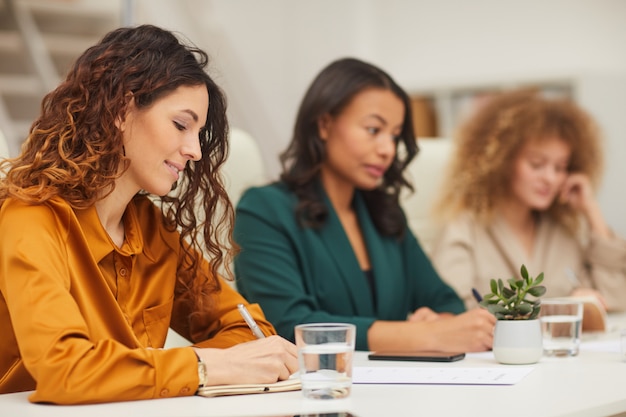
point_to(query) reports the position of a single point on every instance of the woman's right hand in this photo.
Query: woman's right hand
(259, 361)
(471, 331)
(578, 193)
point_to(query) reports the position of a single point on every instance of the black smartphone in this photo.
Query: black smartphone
(431, 356)
(339, 414)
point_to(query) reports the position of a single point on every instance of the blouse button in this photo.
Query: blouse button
(123, 272)
(184, 390)
(164, 392)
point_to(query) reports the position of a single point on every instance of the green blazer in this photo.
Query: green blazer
(303, 275)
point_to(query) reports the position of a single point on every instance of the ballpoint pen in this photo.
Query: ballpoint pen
(477, 295)
(250, 321)
(573, 279)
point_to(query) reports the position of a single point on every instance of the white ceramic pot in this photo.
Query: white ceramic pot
(517, 341)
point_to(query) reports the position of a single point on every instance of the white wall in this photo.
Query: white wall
(266, 52)
(485, 39)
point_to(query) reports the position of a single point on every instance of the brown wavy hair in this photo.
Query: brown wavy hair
(74, 149)
(329, 93)
(488, 144)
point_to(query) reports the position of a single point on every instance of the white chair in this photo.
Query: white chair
(4, 146)
(244, 167)
(426, 172)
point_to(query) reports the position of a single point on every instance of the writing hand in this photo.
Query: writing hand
(259, 361)
(471, 331)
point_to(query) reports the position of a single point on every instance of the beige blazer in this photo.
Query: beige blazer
(468, 254)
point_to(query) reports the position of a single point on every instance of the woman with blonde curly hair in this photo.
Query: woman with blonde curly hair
(520, 190)
(99, 258)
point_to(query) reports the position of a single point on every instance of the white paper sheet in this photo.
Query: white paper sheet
(612, 346)
(441, 375)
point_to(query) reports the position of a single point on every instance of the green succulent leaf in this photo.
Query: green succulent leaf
(511, 300)
(524, 272)
(516, 283)
(537, 291)
(497, 308)
(535, 313)
(518, 301)
(508, 293)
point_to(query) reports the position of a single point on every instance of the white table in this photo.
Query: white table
(591, 384)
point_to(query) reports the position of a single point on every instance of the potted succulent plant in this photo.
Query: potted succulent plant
(517, 335)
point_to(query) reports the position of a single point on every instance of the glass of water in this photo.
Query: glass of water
(325, 353)
(561, 326)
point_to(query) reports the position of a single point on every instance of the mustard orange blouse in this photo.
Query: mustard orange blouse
(83, 321)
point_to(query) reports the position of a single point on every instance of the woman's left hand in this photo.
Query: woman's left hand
(423, 314)
(590, 292)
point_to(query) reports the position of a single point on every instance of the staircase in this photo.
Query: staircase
(39, 41)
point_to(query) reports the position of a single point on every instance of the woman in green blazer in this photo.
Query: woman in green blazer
(329, 241)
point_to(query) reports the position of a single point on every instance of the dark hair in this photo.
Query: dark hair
(329, 93)
(75, 150)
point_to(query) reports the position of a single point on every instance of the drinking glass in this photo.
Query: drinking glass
(325, 353)
(561, 326)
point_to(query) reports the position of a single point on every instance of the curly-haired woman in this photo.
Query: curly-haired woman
(100, 256)
(330, 242)
(520, 190)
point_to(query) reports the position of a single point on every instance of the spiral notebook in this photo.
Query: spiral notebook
(291, 384)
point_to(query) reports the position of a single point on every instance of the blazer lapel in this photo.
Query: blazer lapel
(336, 242)
(385, 262)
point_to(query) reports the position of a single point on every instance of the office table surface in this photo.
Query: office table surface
(590, 384)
